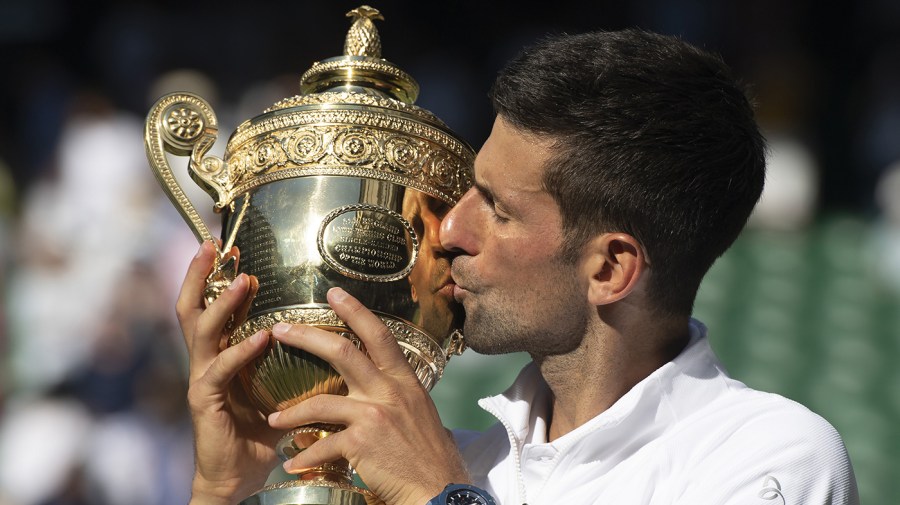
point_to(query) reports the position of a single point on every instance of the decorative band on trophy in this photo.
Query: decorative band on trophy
(392, 148)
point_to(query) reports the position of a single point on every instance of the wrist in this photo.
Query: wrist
(204, 492)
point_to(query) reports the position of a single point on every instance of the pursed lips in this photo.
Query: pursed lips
(458, 290)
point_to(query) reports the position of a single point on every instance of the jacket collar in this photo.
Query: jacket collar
(674, 391)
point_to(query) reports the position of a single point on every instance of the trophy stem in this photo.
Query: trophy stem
(328, 484)
(305, 492)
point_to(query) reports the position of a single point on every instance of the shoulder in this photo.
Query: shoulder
(753, 422)
(752, 444)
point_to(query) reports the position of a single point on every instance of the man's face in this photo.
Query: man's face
(431, 288)
(517, 291)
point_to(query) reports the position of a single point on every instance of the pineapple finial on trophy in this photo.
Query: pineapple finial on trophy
(361, 68)
(363, 38)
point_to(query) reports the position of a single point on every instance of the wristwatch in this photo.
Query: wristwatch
(462, 494)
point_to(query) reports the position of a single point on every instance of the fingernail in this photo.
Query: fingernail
(274, 417)
(238, 282)
(289, 468)
(257, 337)
(280, 329)
(338, 294)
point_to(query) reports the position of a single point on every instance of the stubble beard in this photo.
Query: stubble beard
(552, 322)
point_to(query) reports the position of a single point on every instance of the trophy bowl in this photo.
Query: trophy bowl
(343, 185)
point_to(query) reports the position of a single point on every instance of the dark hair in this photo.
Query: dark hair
(653, 137)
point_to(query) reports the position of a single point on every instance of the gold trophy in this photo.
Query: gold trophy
(343, 185)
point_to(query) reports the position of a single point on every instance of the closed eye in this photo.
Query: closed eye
(496, 209)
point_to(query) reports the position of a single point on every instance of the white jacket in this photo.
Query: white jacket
(686, 434)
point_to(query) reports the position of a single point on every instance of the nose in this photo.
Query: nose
(458, 229)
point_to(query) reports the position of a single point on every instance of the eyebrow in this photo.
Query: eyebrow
(492, 197)
(484, 190)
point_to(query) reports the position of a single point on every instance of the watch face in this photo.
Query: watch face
(465, 497)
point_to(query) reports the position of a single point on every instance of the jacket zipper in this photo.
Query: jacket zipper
(514, 444)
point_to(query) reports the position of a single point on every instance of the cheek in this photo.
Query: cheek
(522, 273)
(530, 255)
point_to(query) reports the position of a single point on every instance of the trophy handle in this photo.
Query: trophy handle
(184, 124)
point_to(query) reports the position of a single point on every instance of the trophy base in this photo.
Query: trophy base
(311, 492)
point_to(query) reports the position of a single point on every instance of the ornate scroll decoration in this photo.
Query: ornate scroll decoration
(353, 141)
(182, 124)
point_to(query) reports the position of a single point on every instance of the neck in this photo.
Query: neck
(609, 362)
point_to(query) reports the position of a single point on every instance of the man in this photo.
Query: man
(620, 166)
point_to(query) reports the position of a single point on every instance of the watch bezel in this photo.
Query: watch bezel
(444, 497)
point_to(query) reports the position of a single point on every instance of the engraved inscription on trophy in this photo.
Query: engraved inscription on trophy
(260, 257)
(368, 242)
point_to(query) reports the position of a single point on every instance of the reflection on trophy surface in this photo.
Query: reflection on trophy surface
(344, 185)
(437, 312)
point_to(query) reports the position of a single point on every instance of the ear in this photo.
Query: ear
(615, 263)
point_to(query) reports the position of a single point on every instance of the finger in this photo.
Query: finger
(379, 340)
(329, 409)
(210, 325)
(190, 303)
(216, 379)
(191, 300)
(323, 451)
(235, 253)
(230, 267)
(240, 315)
(340, 352)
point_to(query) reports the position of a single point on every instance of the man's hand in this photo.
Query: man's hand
(393, 437)
(234, 446)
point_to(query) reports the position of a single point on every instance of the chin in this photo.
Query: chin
(476, 341)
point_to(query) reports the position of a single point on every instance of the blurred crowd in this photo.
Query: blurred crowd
(93, 372)
(92, 359)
